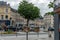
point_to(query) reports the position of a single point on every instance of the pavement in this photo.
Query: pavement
(24, 33)
(24, 38)
(41, 36)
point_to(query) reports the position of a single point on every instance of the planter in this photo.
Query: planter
(26, 29)
(36, 29)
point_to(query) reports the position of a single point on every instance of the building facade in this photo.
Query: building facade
(48, 21)
(8, 13)
(36, 23)
(4, 11)
(17, 18)
(39, 22)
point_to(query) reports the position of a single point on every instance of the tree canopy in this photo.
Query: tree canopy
(51, 5)
(50, 13)
(28, 10)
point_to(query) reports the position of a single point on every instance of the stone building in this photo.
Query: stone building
(4, 11)
(39, 22)
(36, 23)
(8, 13)
(48, 21)
(18, 20)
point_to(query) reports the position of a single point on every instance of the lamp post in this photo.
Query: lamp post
(57, 19)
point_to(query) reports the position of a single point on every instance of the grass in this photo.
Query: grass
(8, 32)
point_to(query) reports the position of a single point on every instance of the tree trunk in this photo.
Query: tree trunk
(27, 22)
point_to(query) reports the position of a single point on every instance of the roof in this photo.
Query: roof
(2, 3)
(13, 10)
(40, 18)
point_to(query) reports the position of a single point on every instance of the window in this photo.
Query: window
(6, 16)
(20, 25)
(6, 10)
(2, 17)
(10, 18)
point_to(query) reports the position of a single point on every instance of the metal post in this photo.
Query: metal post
(1, 32)
(26, 35)
(37, 35)
(16, 31)
(56, 26)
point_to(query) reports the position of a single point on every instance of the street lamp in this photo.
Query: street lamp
(56, 19)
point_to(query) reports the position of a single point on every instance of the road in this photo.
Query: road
(31, 36)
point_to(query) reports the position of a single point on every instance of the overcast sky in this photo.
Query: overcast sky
(57, 1)
(42, 4)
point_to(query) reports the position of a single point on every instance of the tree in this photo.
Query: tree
(51, 5)
(28, 11)
(50, 13)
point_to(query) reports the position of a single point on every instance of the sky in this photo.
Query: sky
(56, 2)
(41, 4)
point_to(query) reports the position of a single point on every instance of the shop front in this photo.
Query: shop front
(7, 22)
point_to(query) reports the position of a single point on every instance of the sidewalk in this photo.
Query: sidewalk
(42, 36)
(30, 37)
(33, 32)
(24, 38)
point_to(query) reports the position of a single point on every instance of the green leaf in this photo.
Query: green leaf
(51, 5)
(28, 10)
